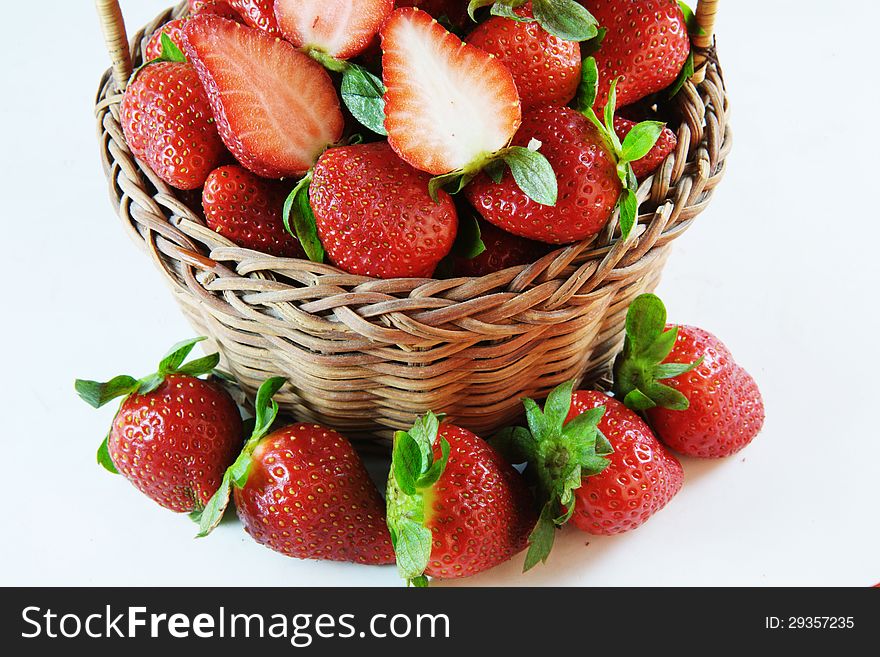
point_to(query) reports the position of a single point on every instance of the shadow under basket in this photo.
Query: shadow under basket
(366, 356)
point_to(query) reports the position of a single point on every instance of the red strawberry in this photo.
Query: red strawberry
(247, 209)
(641, 476)
(258, 14)
(276, 108)
(174, 435)
(709, 407)
(455, 507)
(587, 177)
(174, 30)
(196, 5)
(448, 105)
(167, 122)
(646, 43)
(339, 28)
(503, 250)
(374, 214)
(303, 491)
(647, 165)
(546, 69)
(455, 11)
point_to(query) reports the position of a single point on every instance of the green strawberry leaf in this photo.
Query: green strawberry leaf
(453, 182)
(420, 582)
(541, 539)
(212, 514)
(667, 397)
(506, 11)
(638, 401)
(407, 462)
(565, 19)
(495, 170)
(533, 174)
(298, 208)
(646, 321)
(671, 370)
(363, 94)
(200, 366)
(591, 47)
(170, 51)
(468, 242)
(413, 550)
(97, 394)
(432, 475)
(629, 208)
(603, 446)
(265, 407)
(589, 86)
(693, 27)
(514, 444)
(474, 5)
(177, 355)
(686, 73)
(558, 404)
(103, 457)
(640, 140)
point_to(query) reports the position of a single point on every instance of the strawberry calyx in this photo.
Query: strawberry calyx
(170, 53)
(559, 456)
(265, 414)
(362, 92)
(638, 142)
(531, 171)
(97, 394)
(640, 367)
(566, 19)
(414, 471)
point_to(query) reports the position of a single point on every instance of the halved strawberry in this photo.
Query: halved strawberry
(448, 104)
(339, 28)
(276, 108)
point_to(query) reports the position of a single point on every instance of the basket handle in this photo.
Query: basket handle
(706, 13)
(116, 39)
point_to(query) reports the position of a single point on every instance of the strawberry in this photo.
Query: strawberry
(276, 108)
(594, 171)
(501, 250)
(258, 14)
(374, 215)
(455, 507)
(546, 69)
(247, 210)
(587, 178)
(666, 143)
(707, 406)
(302, 490)
(174, 434)
(339, 28)
(217, 8)
(641, 476)
(646, 45)
(167, 122)
(447, 105)
(174, 30)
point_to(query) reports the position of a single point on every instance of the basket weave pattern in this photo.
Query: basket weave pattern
(365, 356)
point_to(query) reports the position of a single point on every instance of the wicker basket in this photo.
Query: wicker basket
(365, 356)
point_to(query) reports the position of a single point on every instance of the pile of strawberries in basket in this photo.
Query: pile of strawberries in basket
(414, 138)
(456, 503)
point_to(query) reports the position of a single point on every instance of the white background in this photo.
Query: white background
(782, 266)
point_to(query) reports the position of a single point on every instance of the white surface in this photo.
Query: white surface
(782, 267)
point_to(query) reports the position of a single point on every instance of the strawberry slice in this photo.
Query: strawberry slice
(339, 28)
(448, 104)
(276, 108)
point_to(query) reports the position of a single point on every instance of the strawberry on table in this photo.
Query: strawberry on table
(167, 122)
(374, 215)
(302, 490)
(174, 434)
(546, 69)
(707, 405)
(247, 209)
(339, 28)
(451, 109)
(592, 461)
(646, 45)
(455, 507)
(276, 108)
